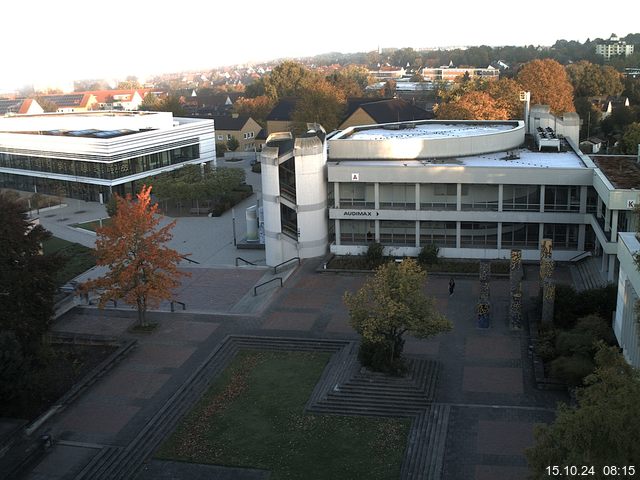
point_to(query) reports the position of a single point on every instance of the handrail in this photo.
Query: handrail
(255, 289)
(580, 256)
(184, 305)
(275, 269)
(184, 257)
(245, 261)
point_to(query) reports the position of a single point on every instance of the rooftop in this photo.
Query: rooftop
(622, 171)
(427, 130)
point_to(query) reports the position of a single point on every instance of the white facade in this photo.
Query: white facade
(294, 193)
(613, 47)
(625, 324)
(88, 154)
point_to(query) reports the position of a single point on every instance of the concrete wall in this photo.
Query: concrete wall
(359, 117)
(414, 148)
(625, 325)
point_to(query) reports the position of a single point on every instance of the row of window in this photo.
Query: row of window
(472, 234)
(108, 171)
(402, 196)
(246, 136)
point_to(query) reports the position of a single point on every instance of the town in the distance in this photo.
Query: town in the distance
(407, 263)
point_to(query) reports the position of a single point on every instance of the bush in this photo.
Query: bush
(572, 342)
(597, 328)
(220, 149)
(374, 255)
(571, 305)
(545, 348)
(428, 255)
(376, 356)
(573, 369)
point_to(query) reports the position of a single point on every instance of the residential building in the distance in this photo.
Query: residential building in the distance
(19, 106)
(92, 154)
(613, 47)
(451, 74)
(72, 102)
(241, 127)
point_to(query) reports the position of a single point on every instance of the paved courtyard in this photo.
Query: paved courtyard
(486, 376)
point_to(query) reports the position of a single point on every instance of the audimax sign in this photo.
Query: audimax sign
(360, 213)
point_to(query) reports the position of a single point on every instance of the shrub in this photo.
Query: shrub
(428, 255)
(220, 149)
(564, 308)
(596, 327)
(571, 305)
(374, 255)
(572, 342)
(545, 348)
(573, 369)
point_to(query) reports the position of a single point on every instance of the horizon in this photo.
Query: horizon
(160, 42)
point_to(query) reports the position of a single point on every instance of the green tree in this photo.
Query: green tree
(150, 103)
(288, 79)
(549, 84)
(602, 430)
(143, 271)
(630, 139)
(27, 278)
(257, 108)
(591, 80)
(351, 80)
(233, 144)
(390, 304)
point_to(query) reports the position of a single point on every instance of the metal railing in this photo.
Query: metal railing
(255, 289)
(245, 261)
(184, 257)
(275, 269)
(173, 302)
(580, 256)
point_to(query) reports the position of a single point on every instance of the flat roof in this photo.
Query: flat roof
(517, 158)
(623, 171)
(434, 129)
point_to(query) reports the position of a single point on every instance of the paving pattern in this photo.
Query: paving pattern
(480, 414)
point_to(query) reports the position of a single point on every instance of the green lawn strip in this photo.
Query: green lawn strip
(253, 417)
(77, 258)
(93, 225)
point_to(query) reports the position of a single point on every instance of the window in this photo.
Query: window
(289, 221)
(356, 195)
(480, 197)
(357, 232)
(478, 235)
(400, 196)
(561, 198)
(220, 137)
(397, 232)
(520, 235)
(438, 196)
(563, 236)
(442, 234)
(524, 198)
(229, 136)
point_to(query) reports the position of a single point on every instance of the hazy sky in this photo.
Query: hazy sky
(70, 39)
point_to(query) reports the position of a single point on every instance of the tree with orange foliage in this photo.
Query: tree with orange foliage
(143, 271)
(321, 102)
(549, 84)
(257, 108)
(474, 105)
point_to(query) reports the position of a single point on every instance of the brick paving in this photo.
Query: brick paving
(486, 377)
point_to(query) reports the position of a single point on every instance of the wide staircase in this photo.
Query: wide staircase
(586, 274)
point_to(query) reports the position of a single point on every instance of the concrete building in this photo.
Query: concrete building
(613, 47)
(451, 74)
(625, 323)
(89, 155)
(241, 127)
(19, 106)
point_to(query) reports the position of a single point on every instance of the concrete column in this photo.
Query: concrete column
(417, 196)
(336, 194)
(540, 233)
(377, 229)
(376, 195)
(614, 225)
(542, 189)
(603, 263)
(499, 234)
(607, 220)
(418, 233)
(612, 268)
(582, 234)
(458, 234)
(337, 231)
(598, 207)
(583, 199)
(548, 300)
(459, 197)
(500, 200)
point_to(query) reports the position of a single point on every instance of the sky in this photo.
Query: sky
(47, 42)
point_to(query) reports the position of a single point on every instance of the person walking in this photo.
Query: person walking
(452, 286)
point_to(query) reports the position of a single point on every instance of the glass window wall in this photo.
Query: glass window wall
(562, 198)
(480, 197)
(516, 198)
(442, 234)
(398, 233)
(357, 195)
(400, 196)
(357, 232)
(478, 235)
(438, 196)
(520, 235)
(563, 236)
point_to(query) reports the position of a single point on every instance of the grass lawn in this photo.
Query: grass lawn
(93, 225)
(78, 258)
(253, 416)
